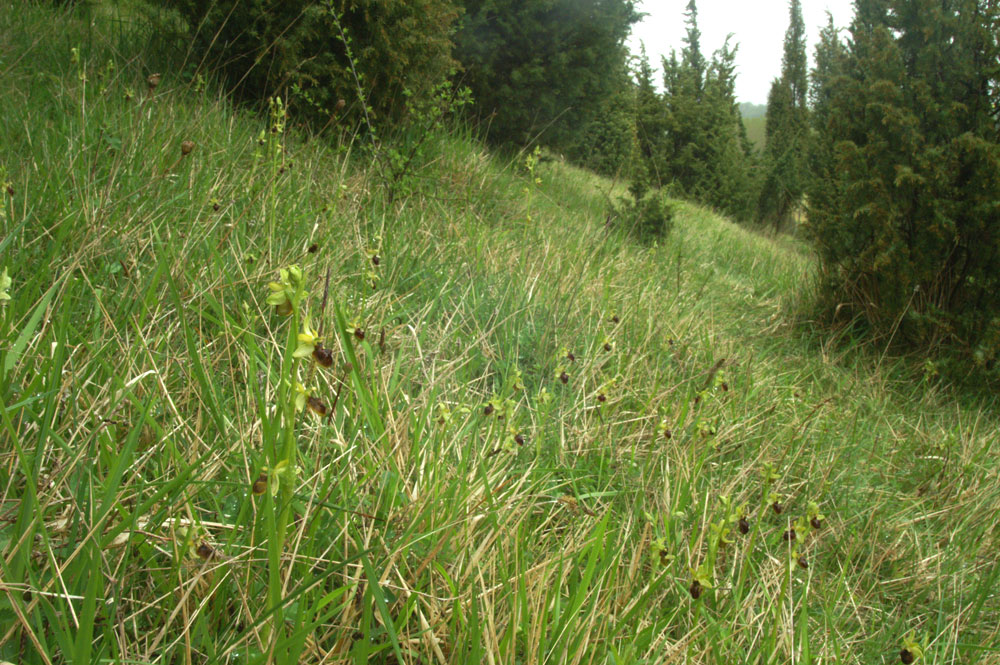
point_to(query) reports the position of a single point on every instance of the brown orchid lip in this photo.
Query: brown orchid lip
(323, 356)
(695, 589)
(260, 485)
(316, 405)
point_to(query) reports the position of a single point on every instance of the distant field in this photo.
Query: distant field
(755, 130)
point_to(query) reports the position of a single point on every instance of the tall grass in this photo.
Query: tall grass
(145, 392)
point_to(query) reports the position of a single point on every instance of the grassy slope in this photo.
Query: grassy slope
(141, 368)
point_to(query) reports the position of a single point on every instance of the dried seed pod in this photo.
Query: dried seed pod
(186, 148)
(744, 526)
(323, 356)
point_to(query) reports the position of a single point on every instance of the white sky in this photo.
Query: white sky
(758, 26)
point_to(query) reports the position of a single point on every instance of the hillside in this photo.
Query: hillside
(538, 441)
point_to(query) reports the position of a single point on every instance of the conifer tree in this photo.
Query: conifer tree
(786, 129)
(650, 130)
(705, 155)
(908, 232)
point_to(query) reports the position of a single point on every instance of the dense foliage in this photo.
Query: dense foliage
(543, 70)
(903, 206)
(301, 48)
